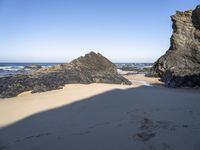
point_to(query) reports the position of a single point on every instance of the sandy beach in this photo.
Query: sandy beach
(29, 104)
(102, 116)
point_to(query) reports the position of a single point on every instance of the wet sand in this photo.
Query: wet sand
(141, 79)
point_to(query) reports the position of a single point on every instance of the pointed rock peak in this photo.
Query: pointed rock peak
(91, 55)
(94, 61)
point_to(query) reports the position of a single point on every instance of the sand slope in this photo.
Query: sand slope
(124, 118)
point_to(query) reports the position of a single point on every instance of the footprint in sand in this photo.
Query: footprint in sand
(144, 136)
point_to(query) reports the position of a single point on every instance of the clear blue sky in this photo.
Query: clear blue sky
(60, 30)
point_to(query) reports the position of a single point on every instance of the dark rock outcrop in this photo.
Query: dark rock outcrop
(33, 67)
(88, 69)
(180, 66)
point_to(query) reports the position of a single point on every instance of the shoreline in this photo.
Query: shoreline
(141, 79)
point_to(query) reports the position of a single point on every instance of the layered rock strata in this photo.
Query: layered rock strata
(180, 65)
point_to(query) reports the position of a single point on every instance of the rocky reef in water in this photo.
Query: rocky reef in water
(91, 68)
(180, 65)
(33, 67)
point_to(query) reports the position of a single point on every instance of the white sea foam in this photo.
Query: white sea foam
(11, 68)
(122, 72)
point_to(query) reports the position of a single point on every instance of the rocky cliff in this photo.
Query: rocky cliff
(86, 69)
(180, 66)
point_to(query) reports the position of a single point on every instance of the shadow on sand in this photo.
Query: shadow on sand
(137, 118)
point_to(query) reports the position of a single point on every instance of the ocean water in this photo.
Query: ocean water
(134, 65)
(15, 68)
(7, 69)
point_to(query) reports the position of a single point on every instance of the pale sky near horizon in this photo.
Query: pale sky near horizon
(61, 30)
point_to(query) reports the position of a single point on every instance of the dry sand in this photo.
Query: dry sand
(102, 116)
(26, 104)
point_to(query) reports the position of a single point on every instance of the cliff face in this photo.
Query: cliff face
(91, 68)
(180, 66)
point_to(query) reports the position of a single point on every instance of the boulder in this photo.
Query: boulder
(180, 65)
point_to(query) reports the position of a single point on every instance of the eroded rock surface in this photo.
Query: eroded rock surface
(180, 66)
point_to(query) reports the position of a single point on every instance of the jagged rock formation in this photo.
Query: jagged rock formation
(88, 69)
(180, 66)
